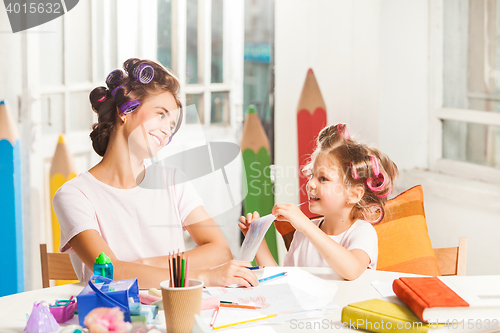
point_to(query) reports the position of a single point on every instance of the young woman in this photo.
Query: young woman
(113, 208)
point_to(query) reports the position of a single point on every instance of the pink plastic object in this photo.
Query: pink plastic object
(63, 313)
(210, 303)
(41, 320)
(148, 299)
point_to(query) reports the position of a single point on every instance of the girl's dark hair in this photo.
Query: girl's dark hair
(128, 89)
(346, 154)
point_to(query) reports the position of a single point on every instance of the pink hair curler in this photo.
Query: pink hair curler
(379, 218)
(354, 172)
(342, 128)
(102, 99)
(370, 183)
(386, 194)
(375, 168)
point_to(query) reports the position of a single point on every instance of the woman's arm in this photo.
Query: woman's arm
(89, 244)
(348, 264)
(212, 249)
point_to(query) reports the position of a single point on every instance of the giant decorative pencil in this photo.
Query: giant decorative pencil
(11, 237)
(255, 150)
(61, 170)
(311, 118)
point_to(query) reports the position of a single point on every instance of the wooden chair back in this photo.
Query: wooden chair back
(55, 266)
(452, 260)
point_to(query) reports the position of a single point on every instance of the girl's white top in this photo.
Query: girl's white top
(361, 235)
(141, 222)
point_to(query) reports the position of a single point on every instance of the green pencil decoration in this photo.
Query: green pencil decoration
(255, 150)
(11, 237)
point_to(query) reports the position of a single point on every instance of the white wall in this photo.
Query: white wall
(371, 62)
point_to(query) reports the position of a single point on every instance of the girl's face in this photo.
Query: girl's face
(151, 125)
(325, 188)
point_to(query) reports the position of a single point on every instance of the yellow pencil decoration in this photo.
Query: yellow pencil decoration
(61, 170)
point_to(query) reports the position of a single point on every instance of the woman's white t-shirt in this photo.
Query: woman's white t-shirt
(361, 235)
(141, 222)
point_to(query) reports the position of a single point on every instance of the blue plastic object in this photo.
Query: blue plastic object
(103, 267)
(109, 294)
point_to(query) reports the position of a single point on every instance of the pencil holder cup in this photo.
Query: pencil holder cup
(181, 304)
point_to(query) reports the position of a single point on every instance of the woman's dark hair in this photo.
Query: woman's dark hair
(122, 90)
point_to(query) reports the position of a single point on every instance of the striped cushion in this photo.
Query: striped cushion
(403, 239)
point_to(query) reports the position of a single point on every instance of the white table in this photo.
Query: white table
(13, 308)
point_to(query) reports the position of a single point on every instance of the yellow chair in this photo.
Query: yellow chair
(55, 266)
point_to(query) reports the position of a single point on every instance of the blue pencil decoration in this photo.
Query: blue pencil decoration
(272, 277)
(11, 237)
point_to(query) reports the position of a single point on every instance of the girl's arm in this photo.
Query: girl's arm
(263, 256)
(348, 264)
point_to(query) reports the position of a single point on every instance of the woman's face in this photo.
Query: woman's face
(150, 127)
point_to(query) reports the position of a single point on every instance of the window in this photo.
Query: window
(194, 40)
(465, 76)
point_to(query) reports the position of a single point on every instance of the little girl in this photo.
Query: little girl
(349, 184)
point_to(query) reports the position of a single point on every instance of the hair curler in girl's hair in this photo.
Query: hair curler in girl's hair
(143, 73)
(114, 77)
(377, 182)
(343, 131)
(102, 99)
(354, 171)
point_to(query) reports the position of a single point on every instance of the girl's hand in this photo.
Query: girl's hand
(291, 213)
(232, 272)
(245, 222)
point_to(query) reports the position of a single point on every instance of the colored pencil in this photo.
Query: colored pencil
(187, 270)
(11, 207)
(239, 306)
(255, 149)
(174, 266)
(255, 267)
(272, 277)
(214, 316)
(178, 269)
(171, 267)
(311, 118)
(62, 169)
(183, 271)
(244, 322)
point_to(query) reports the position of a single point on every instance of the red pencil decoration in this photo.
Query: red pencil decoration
(178, 269)
(311, 118)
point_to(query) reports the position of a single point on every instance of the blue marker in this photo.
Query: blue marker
(255, 267)
(272, 277)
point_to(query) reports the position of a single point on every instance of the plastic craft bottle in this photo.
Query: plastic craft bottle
(103, 267)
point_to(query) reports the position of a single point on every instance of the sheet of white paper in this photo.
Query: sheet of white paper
(255, 234)
(384, 288)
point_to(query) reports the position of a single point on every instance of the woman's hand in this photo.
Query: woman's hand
(245, 222)
(232, 272)
(291, 213)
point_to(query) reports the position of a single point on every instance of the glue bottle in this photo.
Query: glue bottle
(103, 267)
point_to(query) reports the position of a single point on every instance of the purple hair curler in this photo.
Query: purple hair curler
(114, 91)
(144, 73)
(114, 76)
(130, 106)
